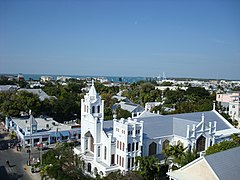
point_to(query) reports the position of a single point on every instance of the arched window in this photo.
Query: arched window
(152, 149)
(137, 144)
(95, 171)
(98, 151)
(201, 143)
(133, 146)
(105, 152)
(129, 147)
(98, 109)
(123, 146)
(89, 167)
(93, 109)
(165, 144)
(120, 145)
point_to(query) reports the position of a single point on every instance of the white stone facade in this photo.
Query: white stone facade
(108, 146)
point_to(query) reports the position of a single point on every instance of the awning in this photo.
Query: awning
(54, 134)
(76, 131)
(65, 133)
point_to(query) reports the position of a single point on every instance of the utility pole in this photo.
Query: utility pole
(30, 148)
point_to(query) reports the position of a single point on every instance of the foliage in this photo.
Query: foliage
(12, 103)
(4, 81)
(165, 83)
(61, 163)
(179, 155)
(13, 135)
(194, 99)
(149, 167)
(142, 92)
(224, 145)
(131, 175)
(121, 113)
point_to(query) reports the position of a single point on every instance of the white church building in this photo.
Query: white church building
(108, 146)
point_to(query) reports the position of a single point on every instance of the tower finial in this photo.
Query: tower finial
(92, 82)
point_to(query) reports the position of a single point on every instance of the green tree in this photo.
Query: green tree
(224, 145)
(149, 167)
(61, 163)
(121, 113)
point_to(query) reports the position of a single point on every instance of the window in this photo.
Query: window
(233, 106)
(98, 109)
(137, 146)
(132, 162)
(165, 144)
(133, 146)
(210, 142)
(152, 149)
(93, 109)
(120, 145)
(129, 163)
(98, 151)
(89, 169)
(201, 143)
(123, 146)
(117, 159)
(129, 132)
(129, 147)
(122, 161)
(105, 152)
(117, 144)
(112, 159)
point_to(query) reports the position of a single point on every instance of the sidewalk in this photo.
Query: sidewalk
(35, 176)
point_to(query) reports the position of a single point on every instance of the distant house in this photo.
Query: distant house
(150, 105)
(135, 109)
(46, 78)
(121, 98)
(231, 102)
(42, 95)
(221, 165)
(6, 88)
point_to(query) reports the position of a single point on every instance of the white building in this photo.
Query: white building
(231, 102)
(31, 131)
(108, 146)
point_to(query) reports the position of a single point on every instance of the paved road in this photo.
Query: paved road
(15, 170)
(17, 160)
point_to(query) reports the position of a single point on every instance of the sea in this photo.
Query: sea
(126, 79)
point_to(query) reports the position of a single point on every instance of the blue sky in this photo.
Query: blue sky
(187, 38)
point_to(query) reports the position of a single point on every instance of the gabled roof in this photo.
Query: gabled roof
(156, 125)
(176, 124)
(42, 95)
(225, 164)
(221, 165)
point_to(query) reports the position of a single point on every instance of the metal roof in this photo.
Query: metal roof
(225, 164)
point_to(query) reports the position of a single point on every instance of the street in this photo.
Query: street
(16, 169)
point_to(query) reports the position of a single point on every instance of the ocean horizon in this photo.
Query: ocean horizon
(127, 79)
